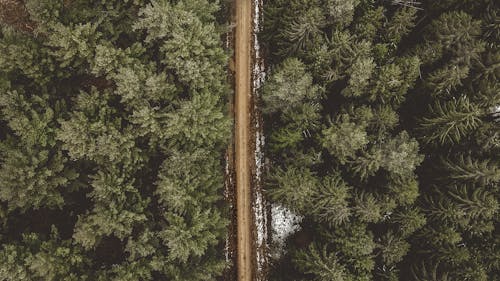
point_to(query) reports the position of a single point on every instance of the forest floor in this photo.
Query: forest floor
(243, 141)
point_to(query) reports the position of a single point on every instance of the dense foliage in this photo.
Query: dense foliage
(380, 120)
(112, 131)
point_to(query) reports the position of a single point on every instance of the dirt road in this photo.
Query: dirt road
(243, 64)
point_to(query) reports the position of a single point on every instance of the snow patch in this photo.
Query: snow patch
(260, 204)
(284, 223)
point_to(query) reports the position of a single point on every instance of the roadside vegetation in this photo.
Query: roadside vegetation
(113, 126)
(381, 133)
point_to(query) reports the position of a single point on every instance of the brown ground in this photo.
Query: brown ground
(243, 154)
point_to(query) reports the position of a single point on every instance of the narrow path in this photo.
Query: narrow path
(243, 63)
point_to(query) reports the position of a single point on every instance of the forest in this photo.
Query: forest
(381, 119)
(113, 126)
(381, 124)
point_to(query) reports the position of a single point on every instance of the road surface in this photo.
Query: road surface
(243, 154)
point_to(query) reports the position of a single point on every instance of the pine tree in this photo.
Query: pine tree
(324, 266)
(443, 81)
(429, 272)
(384, 119)
(31, 117)
(400, 24)
(293, 187)
(288, 87)
(401, 155)
(467, 168)
(118, 207)
(476, 204)
(367, 207)
(94, 96)
(330, 201)
(304, 118)
(448, 122)
(12, 267)
(199, 122)
(355, 246)
(37, 259)
(94, 132)
(408, 220)
(360, 74)
(32, 177)
(188, 180)
(454, 33)
(304, 30)
(285, 138)
(366, 164)
(73, 46)
(197, 270)
(190, 47)
(341, 12)
(192, 235)
(368, 25)
(344, 140)
(392, 248)
(128, 271)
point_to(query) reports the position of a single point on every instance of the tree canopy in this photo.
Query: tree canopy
(112, 133)
(397, 175)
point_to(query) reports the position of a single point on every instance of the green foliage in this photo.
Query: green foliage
(401, 79)
(448, 122)
(72, 46)
(196, 270)
(384, 119)
(474, 204)
(393, 248)
(293, 187)
(408, 220)
(188, 180)
(344, 140)
(323, 265)
(330, 201)
(94, 97)
(359, 77)
(401, 24)
(26, 57)
(190, 42)
(443, 81)
(369, 23)
(357, 246)
(33, 178)
(30, 117)
(38, 259)
(454, 33)
(94, 132)
(288, 87)
(467, 168)
(304, 30)
(341, 12)
(198, 122)
(367, 207)
(401, 155)
(191, 236)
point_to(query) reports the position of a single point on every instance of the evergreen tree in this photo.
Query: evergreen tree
(190, 236)
(449, 122)
(198, 122)
(288, 87)
(467, 168)
(293, 187)
(344, 140)
(323, 265)
(330, 201)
